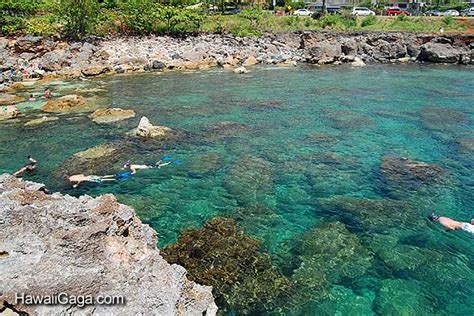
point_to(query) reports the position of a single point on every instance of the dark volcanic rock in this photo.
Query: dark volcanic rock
(51, 244)
(442, 53)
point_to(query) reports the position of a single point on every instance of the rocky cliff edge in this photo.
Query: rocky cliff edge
(51, 244)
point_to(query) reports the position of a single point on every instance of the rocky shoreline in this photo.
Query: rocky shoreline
(56, 243)
(37, 57)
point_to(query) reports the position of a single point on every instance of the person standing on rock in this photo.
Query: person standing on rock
(29, 167)
(451, 224)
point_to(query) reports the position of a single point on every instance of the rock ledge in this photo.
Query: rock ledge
(87, 246)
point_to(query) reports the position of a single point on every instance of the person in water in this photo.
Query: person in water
(133, 168)
(451, 224)
(47, 93)
(29, 167)
(31, 98)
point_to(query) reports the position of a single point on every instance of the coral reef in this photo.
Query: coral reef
(221, 255)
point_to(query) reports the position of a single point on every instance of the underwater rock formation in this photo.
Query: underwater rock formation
(98, 160)
(441, 118)
(250, 180)
(87, 246)
(110, 115)
(328, 253)
(221, 255)
(402, 171)
(371, 215)
(225, 129)
(205, 164)
(402, 297)
(41, 120)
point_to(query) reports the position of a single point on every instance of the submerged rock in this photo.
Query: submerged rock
(98, 160)
(226, 129)
(441, 119)
(206, 164)
(9, 99)
(87, 246)
(241, 70)
(110, 115)
(69, 103)
(41, 120)
(372, 215)
(410, 173)
(8, 112)
(402, 297)
(250, 180)
(147, 130)
(221, 255)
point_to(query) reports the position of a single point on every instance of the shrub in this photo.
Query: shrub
(369, 20)
(402, 18)
(330, 20)
(254, 16)
(448, 20)
(79, 16)
(46, 25)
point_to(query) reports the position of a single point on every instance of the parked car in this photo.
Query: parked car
(302, 12)
(397, 11)
(450, 13)
(362, 11)
(468, 12)
(434, 13)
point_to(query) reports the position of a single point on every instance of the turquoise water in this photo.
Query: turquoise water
(306, 144)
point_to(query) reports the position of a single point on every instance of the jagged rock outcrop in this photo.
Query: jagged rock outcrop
(68, 103)
(147, 130)
(87, 246)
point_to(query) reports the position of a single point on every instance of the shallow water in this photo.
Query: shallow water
(302, 139)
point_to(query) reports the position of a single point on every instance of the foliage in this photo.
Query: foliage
(46, 25)
(80, 16)
(221, 255)
(448, 20)
(330, 20)
(13, 13)
(402, 17)
(253, 15)
(369, 20)
(297, 4)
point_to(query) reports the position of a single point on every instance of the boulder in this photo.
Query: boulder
(42, 120)
(8, 112)
(66, 104)
(111, 115)
(240, 70)
(52, 244)
(28, 43)
(250, 61)
(323, 53)
(441, 53)
(358, 62)
(147, 130)
(95, 70)
(9, 99)
(53, 61)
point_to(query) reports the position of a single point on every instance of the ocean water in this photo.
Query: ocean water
(306, 146)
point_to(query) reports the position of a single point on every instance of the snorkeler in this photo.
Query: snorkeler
(161, 163)
(451, 224)
(29, 167)
(79, 178)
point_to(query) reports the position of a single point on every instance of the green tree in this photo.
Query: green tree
(80, 16)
